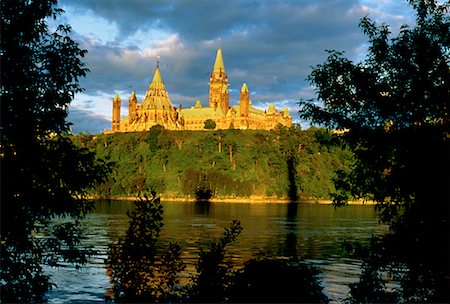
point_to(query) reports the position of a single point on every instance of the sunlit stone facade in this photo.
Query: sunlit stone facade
(157, 108)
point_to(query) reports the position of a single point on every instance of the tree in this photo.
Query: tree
(271, 280)
(214, 274)
(210, 124)
(393, 107)
(43, 174)
(140, 272)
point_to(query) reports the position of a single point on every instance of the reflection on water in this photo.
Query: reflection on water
(309, 232)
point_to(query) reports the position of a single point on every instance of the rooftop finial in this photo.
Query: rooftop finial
(157, 60)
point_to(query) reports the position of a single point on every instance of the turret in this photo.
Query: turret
(132, 103)
(244, 100)
(218, 84)
(271, 110)
(116, 113)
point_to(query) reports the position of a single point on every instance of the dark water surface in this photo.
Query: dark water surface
(313, 232)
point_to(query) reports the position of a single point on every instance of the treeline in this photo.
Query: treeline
(224, 163)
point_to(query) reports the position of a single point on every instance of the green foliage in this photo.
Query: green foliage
(140, 271)
(44, 176)
(210, 124)
(226, 163)
(394, 105)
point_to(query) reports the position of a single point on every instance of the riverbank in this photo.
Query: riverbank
(248, 200)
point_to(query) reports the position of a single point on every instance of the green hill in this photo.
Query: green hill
(226, 163)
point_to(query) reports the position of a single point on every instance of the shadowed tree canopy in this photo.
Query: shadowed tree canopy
(210, 124)
(393, 107)
(43, 174)
(141, 271)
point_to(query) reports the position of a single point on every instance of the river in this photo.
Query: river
(313, 232)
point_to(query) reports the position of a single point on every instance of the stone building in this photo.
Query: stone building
(157, 108)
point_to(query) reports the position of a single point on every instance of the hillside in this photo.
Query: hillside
(227, 163)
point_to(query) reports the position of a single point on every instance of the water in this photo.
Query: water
(313, 232)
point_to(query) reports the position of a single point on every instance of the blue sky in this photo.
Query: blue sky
(270, 45)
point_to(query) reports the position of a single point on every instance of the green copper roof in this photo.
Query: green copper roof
(256, 111)
(244, 88)
(237, 109)
(201, 113)
(219, 66)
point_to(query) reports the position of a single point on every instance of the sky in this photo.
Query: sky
(271, 45)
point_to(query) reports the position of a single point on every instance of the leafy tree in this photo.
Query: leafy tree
(155, 138)
(214, 274)
(44, 175)
(210, 124)
(393, 107)
(276, 281)
(140, 272)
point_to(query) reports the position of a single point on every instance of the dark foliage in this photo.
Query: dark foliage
(275, 281)
(394, 109)
(140, 271)
(44, 176)
(203, 194)
(215, 274)
(143, 271)
(210, 124)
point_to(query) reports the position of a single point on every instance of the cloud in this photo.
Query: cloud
(270, 45)
(87, 121)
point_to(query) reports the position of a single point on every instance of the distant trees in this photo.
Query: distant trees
(394, 109)
(44, 175)
(283, 162)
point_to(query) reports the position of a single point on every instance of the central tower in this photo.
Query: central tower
(218, 85)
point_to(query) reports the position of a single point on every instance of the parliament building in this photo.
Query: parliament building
(157, 108)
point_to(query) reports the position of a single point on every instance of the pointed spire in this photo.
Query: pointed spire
(157, 82)
(198, 104)
(219, 66)
(244, 88)
(116, 97)
(133, 95)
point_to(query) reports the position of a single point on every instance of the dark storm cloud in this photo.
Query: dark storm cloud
(116, 68)
(270, 45)
(206, 19)
(130, 15)
(87, 121)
